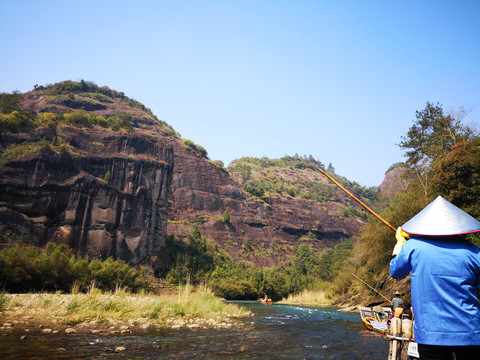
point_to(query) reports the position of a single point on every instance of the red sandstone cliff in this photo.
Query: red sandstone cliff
(394, 181)
(62, 196)
(264, 232)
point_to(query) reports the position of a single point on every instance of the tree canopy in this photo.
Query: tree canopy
(430, 138)
(457, 176)
(433, 135)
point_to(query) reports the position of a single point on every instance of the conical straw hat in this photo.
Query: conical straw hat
(441, 218)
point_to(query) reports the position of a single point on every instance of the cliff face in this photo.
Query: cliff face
(264, 232)
(394, 182)
(65, 198)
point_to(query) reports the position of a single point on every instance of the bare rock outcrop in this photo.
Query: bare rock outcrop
(69, 198)
(394, 181)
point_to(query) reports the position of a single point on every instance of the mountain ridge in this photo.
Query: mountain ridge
(263, 230)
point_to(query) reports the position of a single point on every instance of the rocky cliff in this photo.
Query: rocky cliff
(108, 180)
(264, 231)
(104, 193)
(394, 181)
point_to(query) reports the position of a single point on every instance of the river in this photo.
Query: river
(274, 332)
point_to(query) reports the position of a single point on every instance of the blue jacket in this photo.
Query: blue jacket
(445, 277)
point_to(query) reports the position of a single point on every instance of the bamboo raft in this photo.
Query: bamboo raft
(399, 332)
(376, 318)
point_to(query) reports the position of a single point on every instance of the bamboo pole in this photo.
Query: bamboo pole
(371, 287)
(357, 200)
(394, 352)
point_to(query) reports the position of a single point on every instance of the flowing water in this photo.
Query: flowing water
(275, 332)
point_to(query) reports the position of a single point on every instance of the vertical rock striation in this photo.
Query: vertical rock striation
(70, 199)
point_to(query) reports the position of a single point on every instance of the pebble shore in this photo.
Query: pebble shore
(45, 313)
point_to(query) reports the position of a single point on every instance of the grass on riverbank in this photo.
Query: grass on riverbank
(309, 298)
(96, 310)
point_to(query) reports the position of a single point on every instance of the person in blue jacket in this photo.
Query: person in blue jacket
(445, 278)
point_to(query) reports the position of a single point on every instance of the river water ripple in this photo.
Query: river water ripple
(275, 332)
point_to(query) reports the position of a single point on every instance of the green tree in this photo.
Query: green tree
(255, 187)
(49, 119)
(305, 259)
(79, 118)
(108, 177)
(246, 172)
(10, 102)
(192, 260)
(226, 216)
(432, 136)
(457, 176)
(16, 121)
(199, 150)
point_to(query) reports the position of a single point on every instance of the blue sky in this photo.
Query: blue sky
(338, 80)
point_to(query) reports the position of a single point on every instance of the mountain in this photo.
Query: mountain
(266, 229)
(90, 167)
(97, 180)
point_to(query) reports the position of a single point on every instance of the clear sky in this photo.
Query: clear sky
(338, 80)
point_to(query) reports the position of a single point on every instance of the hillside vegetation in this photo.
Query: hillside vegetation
(18, 113)
(201, 261)
(266, 176)
(298, 176)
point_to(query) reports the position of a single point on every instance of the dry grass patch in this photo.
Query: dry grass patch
(119, 310)
(310, 297)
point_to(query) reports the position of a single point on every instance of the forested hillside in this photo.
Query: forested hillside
(298, 176)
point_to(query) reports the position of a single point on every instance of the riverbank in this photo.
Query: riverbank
(273, 332)
(318, 298)
(116, 313)
(322, 298)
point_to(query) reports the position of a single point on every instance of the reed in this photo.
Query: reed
(3, 300)
(188, 303)
(310, 297)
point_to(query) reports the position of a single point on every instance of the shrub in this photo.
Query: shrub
(56, 268)
(48, 119)
(16, 121)
(197, 149)
(10, 102)
(121, 120)
(79, 118)
(110, 274)
(226, 216)
(108, 177)
(255, 187)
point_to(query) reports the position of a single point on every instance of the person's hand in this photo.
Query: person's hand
(402, 238)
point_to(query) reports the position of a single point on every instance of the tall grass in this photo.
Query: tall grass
(187, 303)
(310, 297)
(3, 300)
